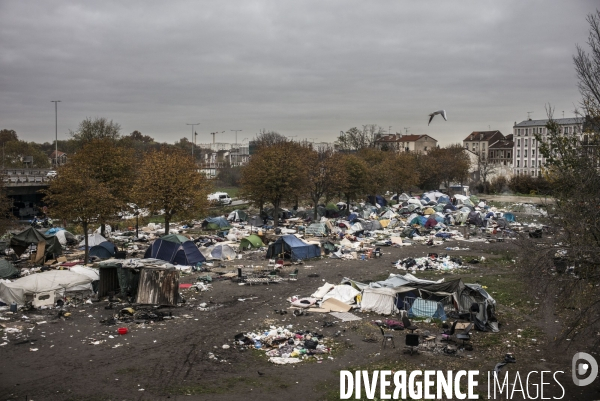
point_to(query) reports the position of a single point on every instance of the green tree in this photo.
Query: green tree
(16, 154)
(168, 181)
(357, 177)
(97, 128)
(7, 135)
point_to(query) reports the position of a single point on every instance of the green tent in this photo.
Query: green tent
(19, 242)
(7, 269)
(252, 241)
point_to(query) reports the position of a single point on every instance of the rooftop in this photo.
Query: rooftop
(484, 135)
(561, 121)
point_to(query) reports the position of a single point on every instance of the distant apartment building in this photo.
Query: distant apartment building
(527, 159)
(479, 142)
(406, 143)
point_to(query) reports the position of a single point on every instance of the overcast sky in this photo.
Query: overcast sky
(306, 69)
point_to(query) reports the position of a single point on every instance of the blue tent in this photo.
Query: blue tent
(509, 217)
(104, 250)
(175, 249)
(420, 220)
(293, 247)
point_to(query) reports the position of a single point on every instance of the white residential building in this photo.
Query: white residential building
(526, 155)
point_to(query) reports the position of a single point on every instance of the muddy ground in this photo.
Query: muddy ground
(170, 359)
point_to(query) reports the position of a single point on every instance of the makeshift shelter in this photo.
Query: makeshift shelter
(90, 272)
(237, 215)
(175, 249)
(251, 241)
(104, 250)
(379, 300)
(44, 286)
(7, 269)
(158, 286)
(215, 223)
(218, 252)
(21, 241)
(293, 247)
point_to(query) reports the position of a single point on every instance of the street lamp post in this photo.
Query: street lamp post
(56, 131)
(193, 139)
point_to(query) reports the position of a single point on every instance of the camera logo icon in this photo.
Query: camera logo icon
(580, 368)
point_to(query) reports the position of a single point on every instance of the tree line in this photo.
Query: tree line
(284, 171)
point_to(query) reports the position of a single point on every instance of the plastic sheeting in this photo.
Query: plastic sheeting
(53, 280)
(379, 300)
(344, 293)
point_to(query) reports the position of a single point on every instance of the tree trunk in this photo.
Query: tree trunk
(276, 213)
(87, 251)
(167, 221)
(103, 230)
(315, 213)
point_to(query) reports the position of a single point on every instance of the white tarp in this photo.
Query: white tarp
(92, 273)
(53, 280)
(379, 300)
(344, 293)
(321, 291)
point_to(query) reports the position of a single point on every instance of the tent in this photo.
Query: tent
(104, 250)
(237, 215)
(256, 221)
(218, 252)
(92, 273)
(7, 269)
(317, 229)
(23, 289)
(427, 309)
(65, 237)
(251, 241)
(19, 242)
(215, 223)
(509, 217)
(54, 230)
(175, 249)
(293, 247)
(93, 239)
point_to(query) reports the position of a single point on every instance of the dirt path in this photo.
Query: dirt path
(170, 359)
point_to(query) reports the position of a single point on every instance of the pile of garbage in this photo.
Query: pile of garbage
(284, 346)
(430, 262)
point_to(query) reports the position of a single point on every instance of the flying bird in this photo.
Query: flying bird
(440, 112)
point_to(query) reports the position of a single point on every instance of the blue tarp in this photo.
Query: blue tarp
(54, 230)
(509, 217)
(185, 253)
(294, 247)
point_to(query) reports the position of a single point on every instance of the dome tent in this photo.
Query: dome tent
(175, 249)
(293, 247)
(251, 241)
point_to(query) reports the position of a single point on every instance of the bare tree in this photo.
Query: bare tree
(486, 168)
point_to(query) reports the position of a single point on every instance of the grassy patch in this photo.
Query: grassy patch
(231, 191)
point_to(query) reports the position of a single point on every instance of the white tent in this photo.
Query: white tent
(53, 280)
(344, 293)
(218, 252)
(93, 240)
(64, 237)
(379, 300)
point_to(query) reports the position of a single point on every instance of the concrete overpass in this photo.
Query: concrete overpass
(23, 187)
